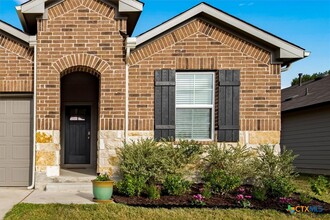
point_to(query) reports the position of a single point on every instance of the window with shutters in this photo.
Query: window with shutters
(194, 105)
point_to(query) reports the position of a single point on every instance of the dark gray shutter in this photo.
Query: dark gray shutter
(164, 104)
(229, 88)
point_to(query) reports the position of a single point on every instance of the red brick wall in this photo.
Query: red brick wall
(198, 45)
(16, 66)
(81, 35)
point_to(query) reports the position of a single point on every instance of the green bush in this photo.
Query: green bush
(207, 190)
(234, 159)
(259, 193)
(305, 198)
(279, 187)
(275, 172)
(320, 185)
(226, 167)
(221, 182)
(175, 185)
(153, 191)
(131, 186)
(103, 177)
(155, 160)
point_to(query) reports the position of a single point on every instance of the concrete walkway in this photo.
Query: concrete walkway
(45, 197)
(10, 196)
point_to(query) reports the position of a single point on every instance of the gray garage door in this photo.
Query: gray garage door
(15, 141)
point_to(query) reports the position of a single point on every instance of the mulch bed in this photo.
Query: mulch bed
(216, 201)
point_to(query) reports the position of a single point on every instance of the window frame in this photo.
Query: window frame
(198, 106)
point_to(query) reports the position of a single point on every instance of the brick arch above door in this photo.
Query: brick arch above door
(88, 62)
(84, 69)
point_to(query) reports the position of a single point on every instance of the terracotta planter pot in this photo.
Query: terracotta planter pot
(102, 190)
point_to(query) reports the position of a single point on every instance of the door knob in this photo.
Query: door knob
(89, 135)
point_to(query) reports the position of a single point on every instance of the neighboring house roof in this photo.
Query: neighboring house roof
(14, 32)
(284, 51)
(29, 11)
(309, 93)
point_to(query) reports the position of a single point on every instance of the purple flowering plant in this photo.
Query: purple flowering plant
(285, 200)
(199, 200)
(242, 199)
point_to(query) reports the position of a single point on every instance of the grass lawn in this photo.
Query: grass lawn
(303, 186)
(118, 211)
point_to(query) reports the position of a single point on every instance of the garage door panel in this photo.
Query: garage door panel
(3, 129)
(21, 152)
(21, 107)
(21, 129)
(3, 107)
(15, 140)
(20, 174)
(2, 152)
(2, 176)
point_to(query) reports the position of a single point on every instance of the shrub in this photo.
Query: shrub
(221, 182)
(226, 167)
(260, 193)
(176, 185)
(153, 191)
(235, 160)
(320, 185)
(279, 187)
(155, 160)
(305, 198)
(206, 191)
(103, 177)
(275, 172)
(131, 186)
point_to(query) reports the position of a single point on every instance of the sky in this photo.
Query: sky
(305, 23)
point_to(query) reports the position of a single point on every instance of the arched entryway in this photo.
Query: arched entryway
(79, 118)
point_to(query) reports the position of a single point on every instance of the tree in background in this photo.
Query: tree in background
(307, 77)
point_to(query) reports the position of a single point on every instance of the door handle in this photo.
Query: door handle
(89, 135)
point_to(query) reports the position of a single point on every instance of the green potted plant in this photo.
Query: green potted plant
(102, 188)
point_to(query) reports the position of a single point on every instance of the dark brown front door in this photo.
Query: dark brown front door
(77, 134)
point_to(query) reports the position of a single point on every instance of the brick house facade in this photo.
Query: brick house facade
(96, 85)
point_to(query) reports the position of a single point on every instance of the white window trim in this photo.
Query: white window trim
(206, 106)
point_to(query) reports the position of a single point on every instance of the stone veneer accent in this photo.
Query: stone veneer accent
(109, 142)
(48, 152)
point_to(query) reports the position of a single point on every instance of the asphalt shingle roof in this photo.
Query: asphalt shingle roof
(309, 93)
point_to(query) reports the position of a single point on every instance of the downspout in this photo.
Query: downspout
(33, 43)
(286, 68)
(130, 44)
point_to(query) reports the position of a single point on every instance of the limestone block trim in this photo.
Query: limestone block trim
(48, 152)
(260, 137)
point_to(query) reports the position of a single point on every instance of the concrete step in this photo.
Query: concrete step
(69, 187)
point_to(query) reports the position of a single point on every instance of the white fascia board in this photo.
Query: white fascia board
(21, 17)
(203, 8)
(287, 54)
(34, 7)
(14, 32)
(130, 6)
